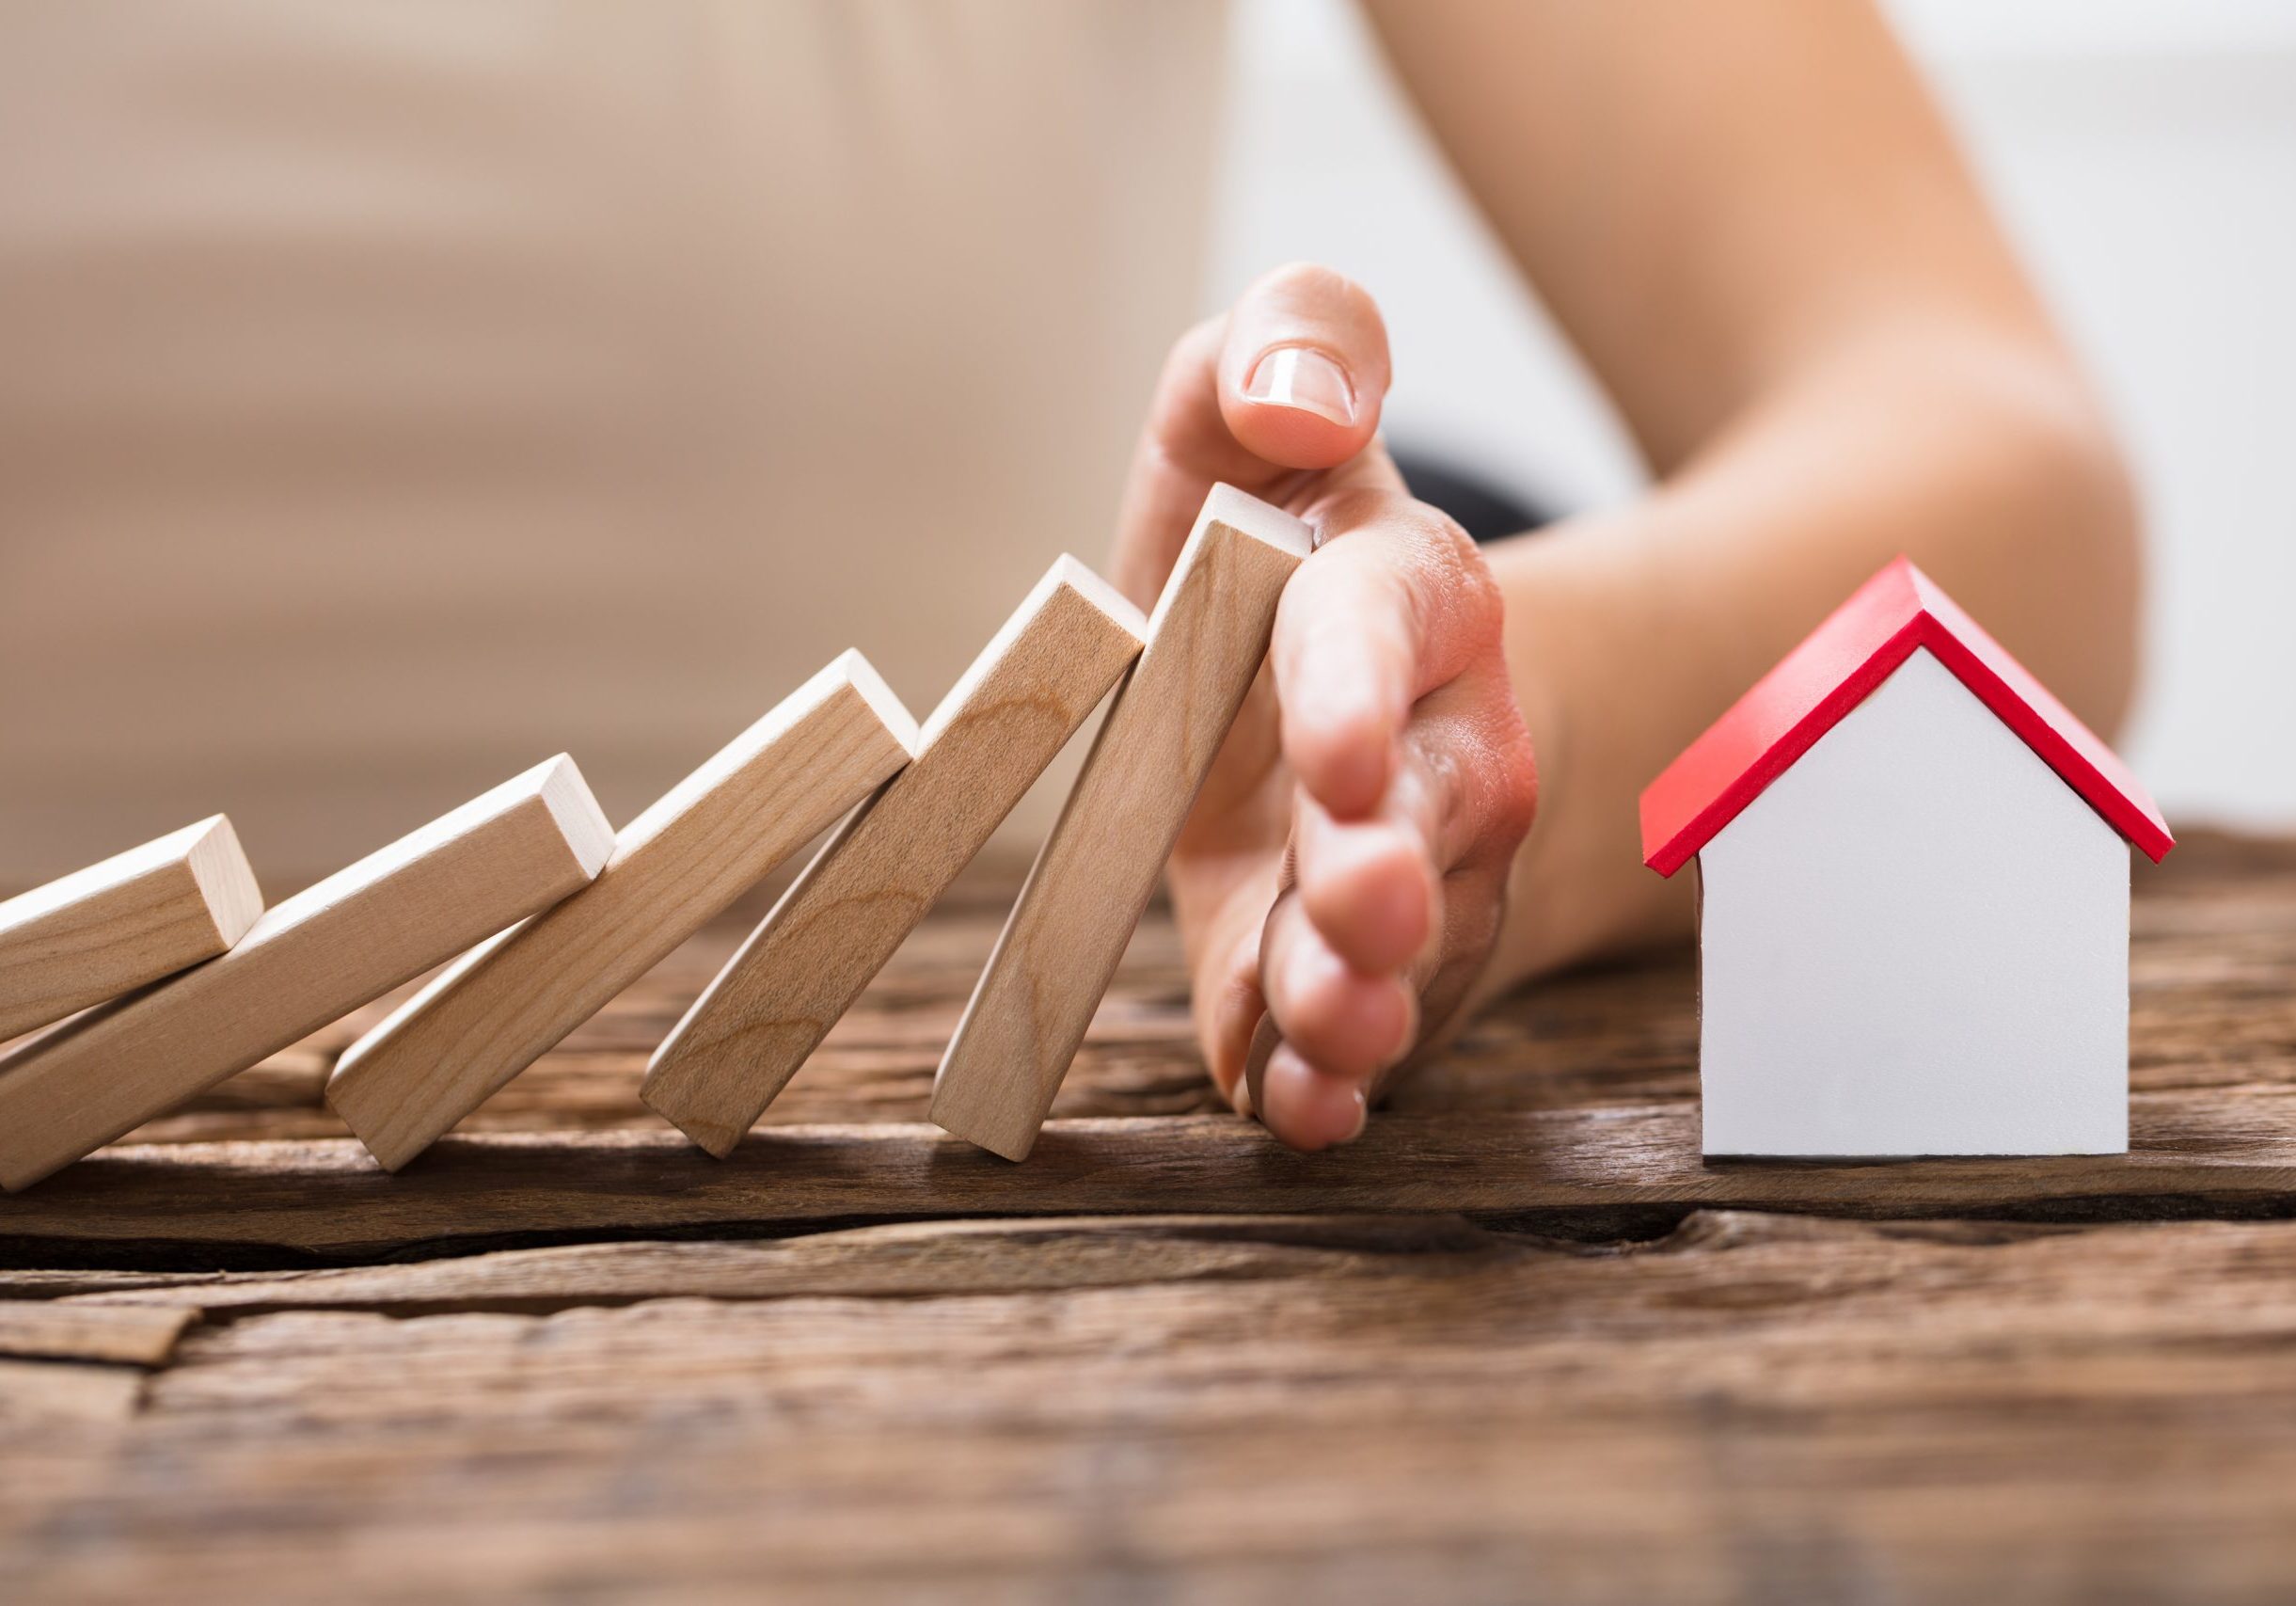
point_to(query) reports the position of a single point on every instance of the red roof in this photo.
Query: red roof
(1854, 651)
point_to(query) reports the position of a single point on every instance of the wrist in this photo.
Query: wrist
(1583, 630)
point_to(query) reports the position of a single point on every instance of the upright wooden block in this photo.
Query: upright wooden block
(321, 954)
(114, 927)
(825, 748)
(1061, 945)
(991, 736)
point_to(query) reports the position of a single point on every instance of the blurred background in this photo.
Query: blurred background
(2142, 155)
(392, 395)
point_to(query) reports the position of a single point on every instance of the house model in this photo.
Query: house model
(1914, 896)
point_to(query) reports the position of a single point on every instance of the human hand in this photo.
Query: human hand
(1344, 869)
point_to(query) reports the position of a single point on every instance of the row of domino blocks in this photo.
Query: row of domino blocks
(168, 976)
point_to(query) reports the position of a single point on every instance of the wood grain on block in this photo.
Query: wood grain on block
(115, 927)
(363, 931)
(1067, 929)
(822, 750)
(991, 736)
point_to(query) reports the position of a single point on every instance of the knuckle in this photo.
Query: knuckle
(1185, 360)
(1481, 763)
(1514, 779)
(1444, 778)
(1199, 338)
(1444, 592)
(1467, 574)
(1461, 607)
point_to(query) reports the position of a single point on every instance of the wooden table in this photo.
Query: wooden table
(1518, 1342)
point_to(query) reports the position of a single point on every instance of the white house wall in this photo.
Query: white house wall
(1915, 941)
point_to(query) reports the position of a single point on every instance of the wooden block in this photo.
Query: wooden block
(824, 749)
(115, 927)
(322, 953)
(1067, 932)
(803, 966)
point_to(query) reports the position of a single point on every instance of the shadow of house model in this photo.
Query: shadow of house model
(1914, 896)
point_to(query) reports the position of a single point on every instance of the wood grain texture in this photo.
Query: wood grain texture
(817, 754)
(1098, 870)
(73, 1394)
(128, 1334)
(363, 931)
(2231, 1151)
(1749, 1409)
(121, 924)
(899, 1260)
(991, 736)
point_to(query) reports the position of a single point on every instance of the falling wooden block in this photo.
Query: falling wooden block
(803, 966)
(114, 927)
(711, 838)
(322, 953)
(1061, 944)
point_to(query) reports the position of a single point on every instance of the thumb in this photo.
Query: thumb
(1303, 369)
(1289, 380)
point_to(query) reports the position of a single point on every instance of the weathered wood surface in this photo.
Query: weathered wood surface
(1521, 1344)
(1753, 1407)
(48, 1329)
(2229, 1152)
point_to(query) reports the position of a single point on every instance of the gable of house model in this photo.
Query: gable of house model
(1913, 898)
(1831, 673)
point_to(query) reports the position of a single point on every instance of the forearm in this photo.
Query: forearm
(1980, 454)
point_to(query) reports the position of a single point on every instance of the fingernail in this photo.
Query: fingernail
(1363, 1115)
(1410, 1033)
(1239, 1096)
(1266, 1040)
(1303, 378)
